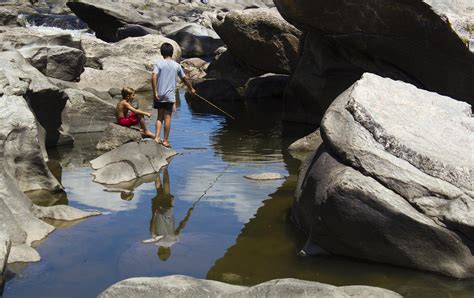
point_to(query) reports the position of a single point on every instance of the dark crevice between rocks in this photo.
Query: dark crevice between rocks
(95, 17)
(47, 106)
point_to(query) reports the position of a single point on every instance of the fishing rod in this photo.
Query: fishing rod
(202, 98)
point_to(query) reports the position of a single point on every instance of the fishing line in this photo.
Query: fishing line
(212, 184)
(202, 98)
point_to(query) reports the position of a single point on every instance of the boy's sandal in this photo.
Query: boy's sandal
(166, 144)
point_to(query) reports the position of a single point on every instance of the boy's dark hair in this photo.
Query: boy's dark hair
(166, 50)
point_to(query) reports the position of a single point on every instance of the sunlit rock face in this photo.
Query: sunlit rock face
(259, 38)
(188, 286)
(392, 181)
(130, 161)
(404, 40)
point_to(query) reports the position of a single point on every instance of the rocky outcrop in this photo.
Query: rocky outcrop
(115, 135)
(195, 68)
(195, 40)
(23, 168)
(267, 86)
(109, 18)
(184, 286)
(85, 112)
(125, 63)
(56, 55)
(302, 148)
(396, 39)
(47, 101)
(260, 38)
(130, 161)
(377, 190)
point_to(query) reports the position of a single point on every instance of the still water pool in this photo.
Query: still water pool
(239, 232)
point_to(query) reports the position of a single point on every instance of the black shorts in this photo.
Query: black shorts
(168, 106)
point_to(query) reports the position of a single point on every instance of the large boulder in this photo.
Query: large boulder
(56, 55)
(195, 40)
(398, 39)
(377, 190)
(85, 112)
(185, 286)
(59, 62)
(260, 38)
(130, 161)
(125, 63)
(108, 18)
(23, 168)
(18, 77)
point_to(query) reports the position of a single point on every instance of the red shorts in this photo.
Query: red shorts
(128, 121)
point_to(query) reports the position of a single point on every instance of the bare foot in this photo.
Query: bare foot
(166, 144)
(158, 140)
(148, 133)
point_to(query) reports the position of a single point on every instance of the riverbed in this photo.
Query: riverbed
(229, 228)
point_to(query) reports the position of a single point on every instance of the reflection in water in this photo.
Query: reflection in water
(162, 225)
(267, 248)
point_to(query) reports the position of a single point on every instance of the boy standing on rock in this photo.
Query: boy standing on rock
(163, 82)
(128, 116)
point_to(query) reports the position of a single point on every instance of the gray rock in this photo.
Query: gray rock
(47, 101)
(305, 147)
(196, 40)
(439, 60)
(85, 112)
(109, 18)
(308, 143)
(184, 286)
(115, 135)
(5, 245)
(377, 190)
(267, 86)
(216, 90)
(130, 161)
(20, 149)
(59, 62)
(226, 66)
(195, 68)
(273, 42)
(125, 63)
(265, 176)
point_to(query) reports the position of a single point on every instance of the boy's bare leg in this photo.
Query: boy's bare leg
(159, 122)
(167, 124)
(145, 131)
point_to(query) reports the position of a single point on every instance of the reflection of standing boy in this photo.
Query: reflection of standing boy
(163, 231)
(163, 82)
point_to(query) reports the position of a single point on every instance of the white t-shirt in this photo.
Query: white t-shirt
(168, 71)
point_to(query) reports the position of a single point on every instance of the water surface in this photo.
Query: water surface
(238, 232)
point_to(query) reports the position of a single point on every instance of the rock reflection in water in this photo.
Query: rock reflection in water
(162, 224)
(267, 248)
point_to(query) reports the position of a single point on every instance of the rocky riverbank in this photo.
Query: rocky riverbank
(390, 180)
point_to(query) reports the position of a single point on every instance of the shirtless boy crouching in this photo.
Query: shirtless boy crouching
(128, 116)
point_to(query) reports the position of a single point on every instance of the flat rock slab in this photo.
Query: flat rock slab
(185, 286)
(265, 176)
(130, 161)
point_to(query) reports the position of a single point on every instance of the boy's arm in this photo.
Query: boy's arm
(188, 85)
(136, 111)
(154, 78)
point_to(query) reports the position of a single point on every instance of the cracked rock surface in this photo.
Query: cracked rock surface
(130, 161)
(185, 286)
(392, 181)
